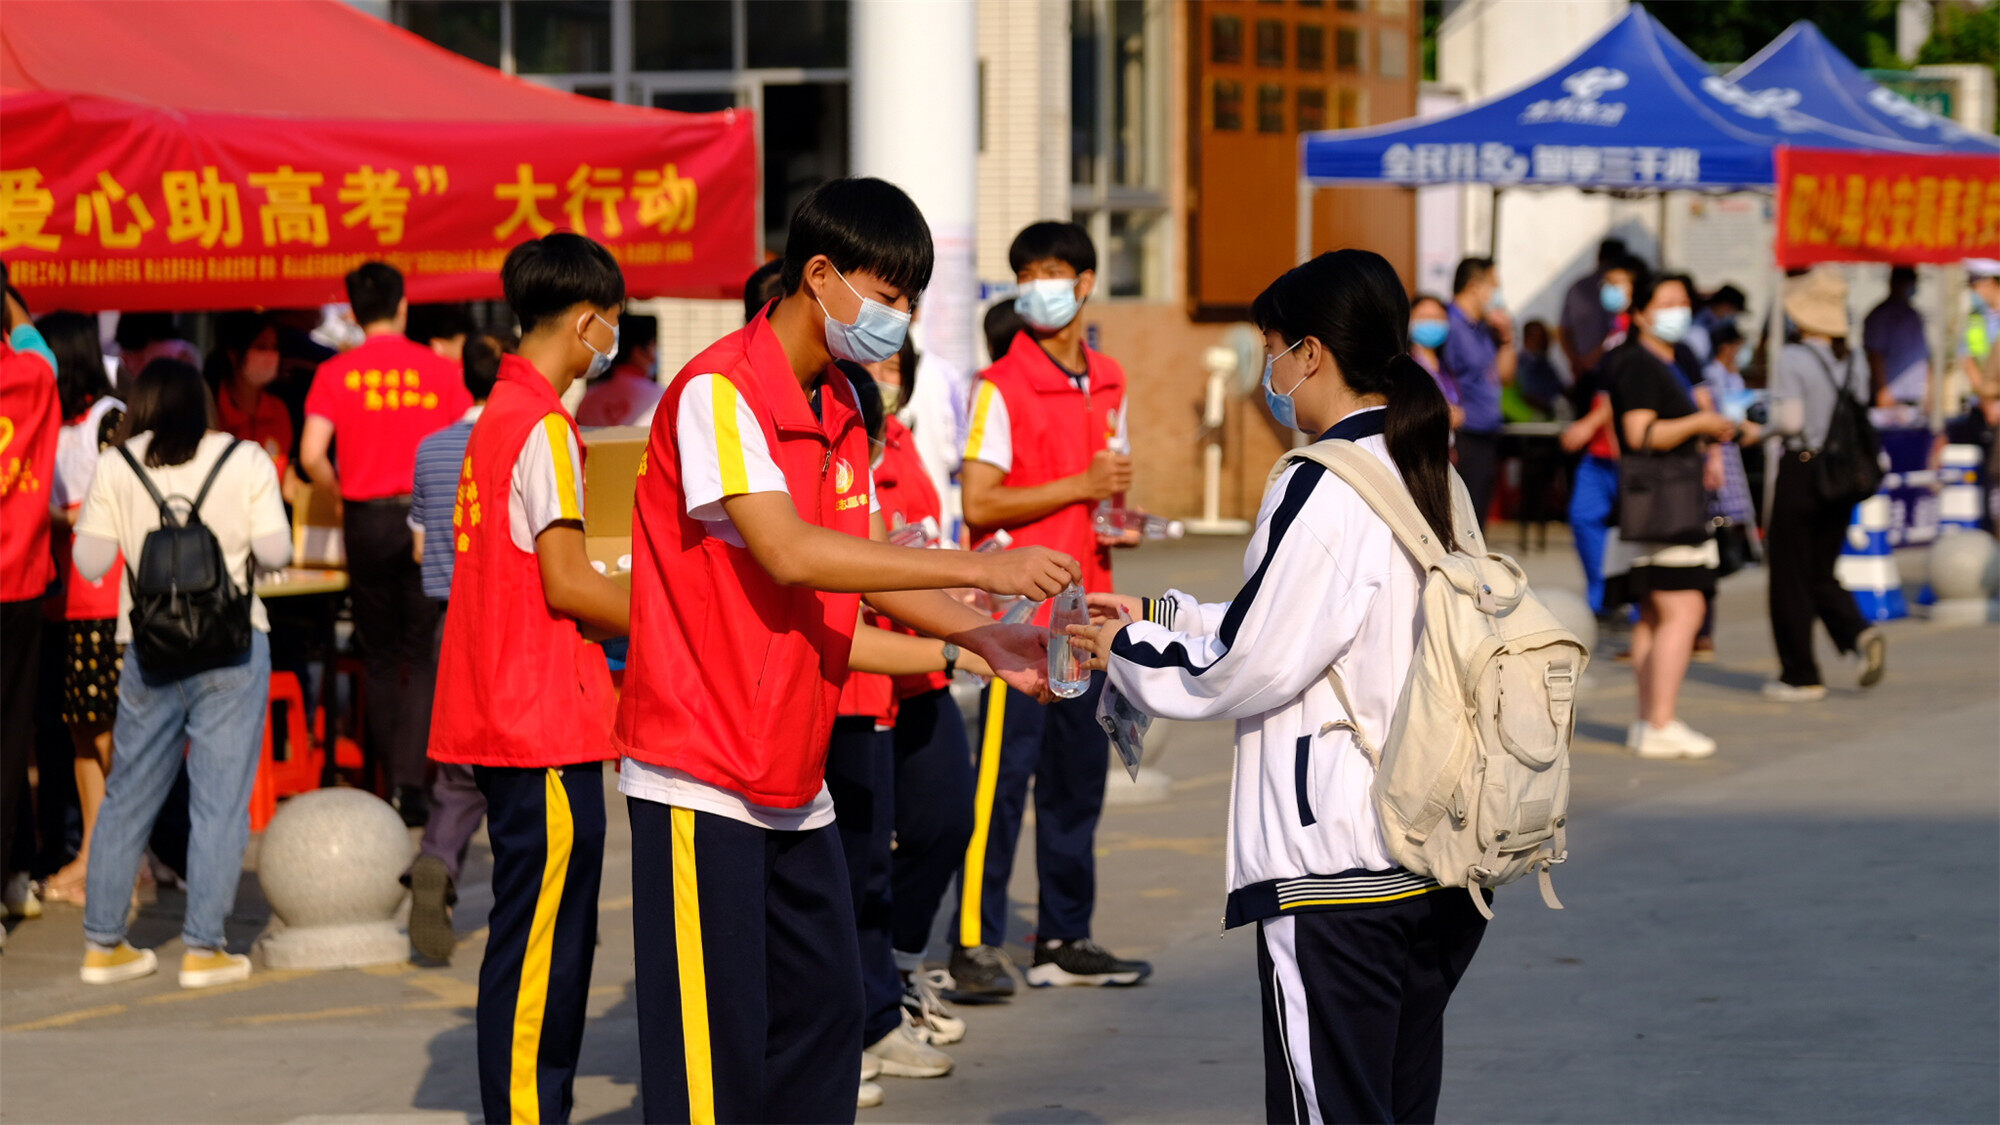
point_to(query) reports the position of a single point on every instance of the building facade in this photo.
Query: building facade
(1168, 128)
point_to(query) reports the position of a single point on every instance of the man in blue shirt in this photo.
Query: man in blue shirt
(455, 802)
(1478, 356)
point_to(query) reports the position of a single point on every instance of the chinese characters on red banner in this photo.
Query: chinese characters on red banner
(1835, 206)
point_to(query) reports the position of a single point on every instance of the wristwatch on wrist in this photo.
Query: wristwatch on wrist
(950, 659)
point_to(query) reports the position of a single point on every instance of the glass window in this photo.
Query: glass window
(806, 33)
(1270, 43)
(1226, 112)
(1352, 109)
(805, 144)
(1225, 39)
(693, 101)
(470, 27)
(682, 36)
(1311, 109)
(599, 90)
(1133, 248)
(1347, 50)
(1086, 45)
(1270, 108)
(562, 36)
(1312, 47)
(1394, 59)
(1137, 124)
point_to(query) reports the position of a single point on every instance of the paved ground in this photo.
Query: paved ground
(1801, 929)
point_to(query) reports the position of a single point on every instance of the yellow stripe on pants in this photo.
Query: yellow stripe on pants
(532, 1000)
(974, 880)
(693, 972)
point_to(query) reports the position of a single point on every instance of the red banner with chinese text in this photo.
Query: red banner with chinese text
(1871, 207)
(109, 205)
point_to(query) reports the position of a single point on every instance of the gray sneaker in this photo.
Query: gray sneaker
(904, 1054)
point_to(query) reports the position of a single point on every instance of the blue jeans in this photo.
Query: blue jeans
(1591, 504)
(217, 719)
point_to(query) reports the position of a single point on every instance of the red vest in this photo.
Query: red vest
(1056, 430)
(517, 684)
(733, 678)
(30, 419)
(907, 497)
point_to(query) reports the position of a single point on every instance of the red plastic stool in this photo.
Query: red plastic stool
(298, 768)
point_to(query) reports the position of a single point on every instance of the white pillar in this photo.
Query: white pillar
(915, 123)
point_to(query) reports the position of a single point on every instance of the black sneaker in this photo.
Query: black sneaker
(431, 898)
(1082, 962)
(412, 805)
(980, 973)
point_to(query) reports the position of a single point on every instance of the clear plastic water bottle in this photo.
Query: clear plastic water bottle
(1000, 603)
(1067, 677)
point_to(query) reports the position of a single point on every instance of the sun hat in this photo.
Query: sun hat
(1817, 301)
(1982, 267)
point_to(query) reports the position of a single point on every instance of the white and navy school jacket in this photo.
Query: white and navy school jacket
(1325, 585)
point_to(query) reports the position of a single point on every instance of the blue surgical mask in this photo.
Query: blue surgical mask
(1671, 325)
(876, 334)
(600, 362)
(1498, 300)
(1048, 303)
(1613, 298)
(1283, 410)
(1429, 333)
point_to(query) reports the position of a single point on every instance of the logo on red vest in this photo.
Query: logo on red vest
(843, 475)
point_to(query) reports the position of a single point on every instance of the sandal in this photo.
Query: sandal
(68, 892)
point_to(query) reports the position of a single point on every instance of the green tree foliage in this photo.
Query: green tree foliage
(1726, 32)
(1962, 33)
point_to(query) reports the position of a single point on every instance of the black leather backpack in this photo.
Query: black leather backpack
(187, 614)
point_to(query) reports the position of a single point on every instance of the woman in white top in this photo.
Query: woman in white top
(1356, 956)
(216, 716)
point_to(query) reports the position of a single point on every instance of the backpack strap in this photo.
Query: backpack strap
(160, 501)
(213, 472)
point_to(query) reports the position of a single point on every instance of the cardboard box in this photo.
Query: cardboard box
(610, 473)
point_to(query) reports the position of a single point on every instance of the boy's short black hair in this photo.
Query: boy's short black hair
(861, 223)
(139, 330)
(438, 322)
(482, 364)
(543, 276)
(374, 290)
(1470, 272)
(1067, 243)
(765, 285)
(1733, 297)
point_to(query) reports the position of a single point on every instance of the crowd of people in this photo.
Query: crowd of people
(803, 789)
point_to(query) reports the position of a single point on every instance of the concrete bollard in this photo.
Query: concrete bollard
(1965, 572)
(331, 865)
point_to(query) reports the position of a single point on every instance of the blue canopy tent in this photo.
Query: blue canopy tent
(1633, 110)
(1802, 68)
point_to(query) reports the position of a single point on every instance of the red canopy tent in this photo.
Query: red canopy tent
(215, 154)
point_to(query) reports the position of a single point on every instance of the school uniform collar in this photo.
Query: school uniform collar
(1367, 422)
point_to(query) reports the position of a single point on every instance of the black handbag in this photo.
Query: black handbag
(1847, 467)
(1660, 495)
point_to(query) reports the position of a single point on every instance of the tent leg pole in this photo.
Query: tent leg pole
(1493, 225)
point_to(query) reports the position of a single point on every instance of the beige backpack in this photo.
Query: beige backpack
(1472, 782)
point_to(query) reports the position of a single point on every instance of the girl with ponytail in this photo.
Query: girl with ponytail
(1356, 956)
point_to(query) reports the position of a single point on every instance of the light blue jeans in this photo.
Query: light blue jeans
(217, 719)
(1591, 504)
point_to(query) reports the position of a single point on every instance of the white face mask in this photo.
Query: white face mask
(1671, 325)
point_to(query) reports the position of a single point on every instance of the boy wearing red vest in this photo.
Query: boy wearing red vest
(1045, 446)
(751, 551)
(522, 697)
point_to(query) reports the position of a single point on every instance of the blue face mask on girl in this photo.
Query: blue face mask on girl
(1613, 298)
(1283, 410)
(876, 334)
(1429, 333)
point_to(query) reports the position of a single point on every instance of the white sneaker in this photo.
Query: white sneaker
(904, 1054)
(868, 1096)
(871, 1067)
(20, 899)
(1633, 735)
(1675, 740)
(1783, 692)
(928, 1010)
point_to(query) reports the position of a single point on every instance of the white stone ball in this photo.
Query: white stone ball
(334, 856)
(1965, 564)
(1573, 611)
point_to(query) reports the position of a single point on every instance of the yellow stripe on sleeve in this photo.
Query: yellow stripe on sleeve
(728, 438)
(973, 881)
(532, 1001)
(687, 950)
(982, 406)
(557, 431)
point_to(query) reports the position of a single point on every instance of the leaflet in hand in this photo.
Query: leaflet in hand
(1126, 725)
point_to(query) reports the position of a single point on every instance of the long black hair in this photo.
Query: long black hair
(170, 400)
(235, 332)
(80, 375)
(1352, 302)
